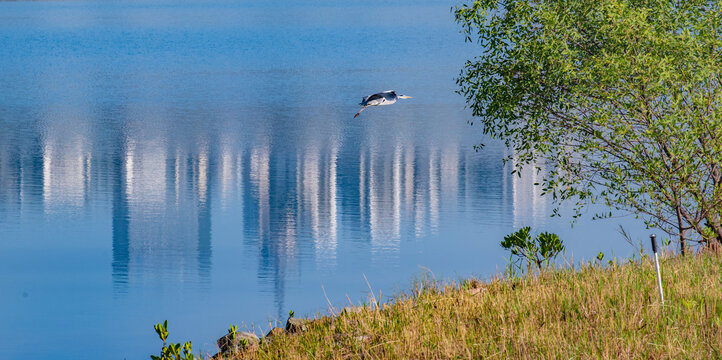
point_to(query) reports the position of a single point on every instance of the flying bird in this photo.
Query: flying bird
(382, 98)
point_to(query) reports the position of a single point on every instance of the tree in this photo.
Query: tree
(620, 99)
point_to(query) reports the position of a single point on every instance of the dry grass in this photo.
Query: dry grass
(589, 312)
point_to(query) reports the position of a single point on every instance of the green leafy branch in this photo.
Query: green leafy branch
(526, 251)
(172, 351)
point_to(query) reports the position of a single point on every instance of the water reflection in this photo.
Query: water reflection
(161, 214)
(295, 200)
(530, 207)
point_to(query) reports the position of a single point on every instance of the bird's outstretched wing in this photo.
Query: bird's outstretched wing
(366, 99)
(388, 95)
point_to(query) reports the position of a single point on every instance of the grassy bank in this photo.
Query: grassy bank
(610, 312)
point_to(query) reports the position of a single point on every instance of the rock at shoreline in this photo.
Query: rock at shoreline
(294, 325)
(274, 332)
(228, 345)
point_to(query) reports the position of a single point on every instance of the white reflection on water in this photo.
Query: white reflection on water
(434, 174)
(66, 169)
(165, 194)
(318, 190)
(161, 217)
(396, 175)
(260, 177)
(530, 207)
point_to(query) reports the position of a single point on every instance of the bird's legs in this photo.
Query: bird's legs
(362, 109)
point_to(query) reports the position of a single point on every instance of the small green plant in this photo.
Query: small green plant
(525, 250)
(291, 313)
(232, 330)
(600, 259)
(172, 351)
(666, 242)
(162, 331)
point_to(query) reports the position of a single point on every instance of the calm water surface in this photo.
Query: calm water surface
(200, 163)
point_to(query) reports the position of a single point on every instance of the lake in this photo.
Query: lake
(199, 162)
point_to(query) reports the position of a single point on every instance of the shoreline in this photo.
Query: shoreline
(588, 310)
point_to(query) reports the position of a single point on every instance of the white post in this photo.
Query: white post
(656, 265)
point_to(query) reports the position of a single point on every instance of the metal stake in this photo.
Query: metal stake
(656, 265)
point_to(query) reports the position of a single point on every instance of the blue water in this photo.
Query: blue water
(199, 162)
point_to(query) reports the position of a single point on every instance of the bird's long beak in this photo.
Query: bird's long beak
(404, 97)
